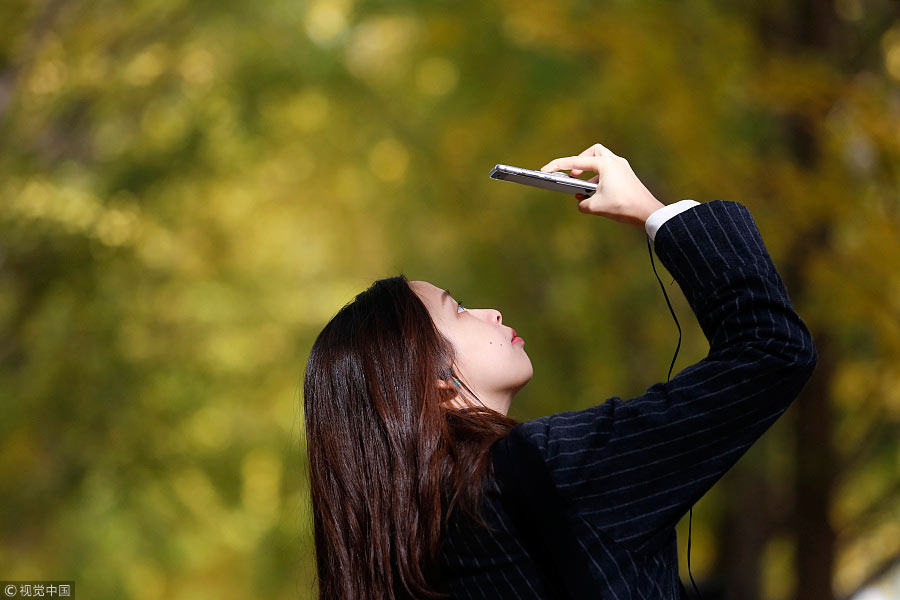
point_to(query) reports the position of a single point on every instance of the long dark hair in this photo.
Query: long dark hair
(388, 461)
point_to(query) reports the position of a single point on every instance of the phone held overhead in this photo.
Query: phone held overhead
(557, 182)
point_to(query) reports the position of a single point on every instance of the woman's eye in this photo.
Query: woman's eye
(460, 307)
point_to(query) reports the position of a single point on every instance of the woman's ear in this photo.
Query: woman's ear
(454, 400)
(443, 383)
(449, 379)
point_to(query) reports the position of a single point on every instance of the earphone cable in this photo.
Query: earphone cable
(678, 325)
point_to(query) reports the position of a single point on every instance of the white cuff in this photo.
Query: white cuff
(661, 215)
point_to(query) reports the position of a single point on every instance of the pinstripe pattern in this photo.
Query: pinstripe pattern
(628, 470)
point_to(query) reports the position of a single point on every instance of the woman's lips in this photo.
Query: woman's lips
(515, 337)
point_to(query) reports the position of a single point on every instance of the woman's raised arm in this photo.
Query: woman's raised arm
(632, 468)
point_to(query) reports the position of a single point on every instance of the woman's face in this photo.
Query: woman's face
(488, 361)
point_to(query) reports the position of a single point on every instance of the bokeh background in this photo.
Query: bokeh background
(189, 190)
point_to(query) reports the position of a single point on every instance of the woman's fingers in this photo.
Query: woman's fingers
(597, 149)
(620, 195)
(582, 163)
(579, 196)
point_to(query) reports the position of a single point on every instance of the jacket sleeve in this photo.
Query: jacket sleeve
(632, 468)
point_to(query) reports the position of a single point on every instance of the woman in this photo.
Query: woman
(406, 395)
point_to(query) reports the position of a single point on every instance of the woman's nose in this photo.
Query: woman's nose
(491, 314)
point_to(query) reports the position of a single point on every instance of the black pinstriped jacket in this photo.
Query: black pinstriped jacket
(600, 490)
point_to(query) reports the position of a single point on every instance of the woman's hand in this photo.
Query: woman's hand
(620, 195)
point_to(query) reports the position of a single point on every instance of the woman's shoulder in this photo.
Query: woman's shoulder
(544, 432)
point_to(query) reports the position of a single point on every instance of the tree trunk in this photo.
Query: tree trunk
(815, 476)
(742, 534)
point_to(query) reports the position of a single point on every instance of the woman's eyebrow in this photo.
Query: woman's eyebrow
(444, 295)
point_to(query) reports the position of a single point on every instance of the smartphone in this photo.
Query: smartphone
(556, 181)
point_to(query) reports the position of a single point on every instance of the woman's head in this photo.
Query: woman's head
(393, 443)
(486, 359)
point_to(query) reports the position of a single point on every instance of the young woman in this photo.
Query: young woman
(406, 395)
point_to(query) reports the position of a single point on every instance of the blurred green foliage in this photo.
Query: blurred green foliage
(189, 191)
